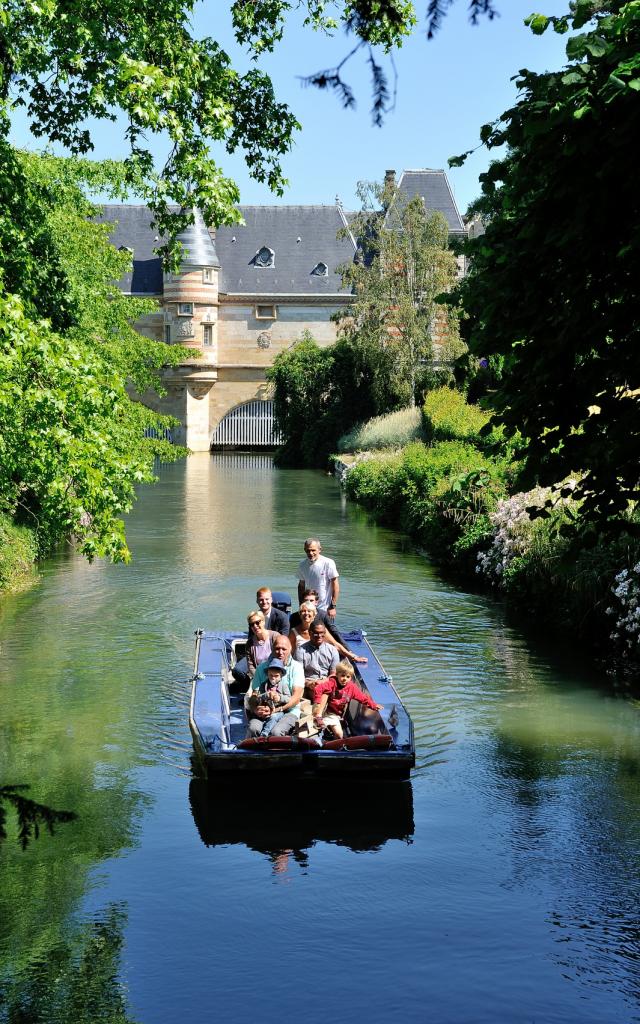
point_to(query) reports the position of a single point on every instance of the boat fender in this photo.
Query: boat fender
(279, 743)
(380, 741)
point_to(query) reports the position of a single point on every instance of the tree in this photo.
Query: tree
(70, 60)
(304, 396)
(404, 264)
(72, 445)
(553, 289)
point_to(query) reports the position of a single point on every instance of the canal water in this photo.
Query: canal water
(500, 885)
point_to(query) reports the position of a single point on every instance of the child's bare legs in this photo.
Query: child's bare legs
(333, 722)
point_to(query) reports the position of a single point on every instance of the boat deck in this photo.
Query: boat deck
(218, 724)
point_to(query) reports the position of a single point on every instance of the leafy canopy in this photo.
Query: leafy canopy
(72, 445)
(70, 60)
(553, 291)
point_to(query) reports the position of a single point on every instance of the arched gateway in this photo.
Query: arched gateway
(250, 425)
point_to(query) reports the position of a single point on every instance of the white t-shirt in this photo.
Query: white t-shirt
(317, 576)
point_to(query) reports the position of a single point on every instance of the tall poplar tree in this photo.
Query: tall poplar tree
(404, 263)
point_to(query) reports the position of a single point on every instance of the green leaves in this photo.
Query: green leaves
(72, 446)
(538, 23)
(406, 264)
(67, 64)
(548, 290)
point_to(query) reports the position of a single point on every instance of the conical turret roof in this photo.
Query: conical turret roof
(198, 249)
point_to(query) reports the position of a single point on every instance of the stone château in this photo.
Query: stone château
(244, 294)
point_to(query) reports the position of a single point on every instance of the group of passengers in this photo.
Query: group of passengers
(287, 658)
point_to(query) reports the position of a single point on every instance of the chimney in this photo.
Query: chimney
(389, 179)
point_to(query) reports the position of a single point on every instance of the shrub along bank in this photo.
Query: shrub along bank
(18, 552)
(457, 494)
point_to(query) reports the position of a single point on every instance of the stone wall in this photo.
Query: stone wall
(232, 370)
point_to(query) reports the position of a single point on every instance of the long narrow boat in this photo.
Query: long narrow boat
(376, 744)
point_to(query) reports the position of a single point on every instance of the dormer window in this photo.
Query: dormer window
(207, 275)
(125, 248)
(185, 309)
(264, 258)
(320, 270)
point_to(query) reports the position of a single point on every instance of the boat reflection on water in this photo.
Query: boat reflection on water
(362, 816)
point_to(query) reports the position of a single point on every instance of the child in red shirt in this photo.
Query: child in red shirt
(333, 695)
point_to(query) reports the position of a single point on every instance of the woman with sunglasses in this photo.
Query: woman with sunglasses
(260, 640)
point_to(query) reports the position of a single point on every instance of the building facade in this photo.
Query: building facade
(244, 294)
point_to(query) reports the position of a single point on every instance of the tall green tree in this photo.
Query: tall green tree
(305, 399)
(385, 335)
(71, 439)
(404, 264)
(553, 291)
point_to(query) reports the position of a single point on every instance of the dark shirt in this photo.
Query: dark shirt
(276, 620)
(321, 619)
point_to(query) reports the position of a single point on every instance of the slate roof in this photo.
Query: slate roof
(433, 186)
(301, 237)
(198, 247)
(133, 230)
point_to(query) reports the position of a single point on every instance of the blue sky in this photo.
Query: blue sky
(447, 88)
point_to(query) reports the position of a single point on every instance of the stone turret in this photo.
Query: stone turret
(190, 301)
(191, 297)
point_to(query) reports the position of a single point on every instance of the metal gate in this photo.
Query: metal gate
(247, 426)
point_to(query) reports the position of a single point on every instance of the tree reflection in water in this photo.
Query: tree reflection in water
(581, 814)
(31, 815)
(362, 816)
(74, 982)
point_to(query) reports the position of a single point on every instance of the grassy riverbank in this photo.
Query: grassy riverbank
(18, 552)
(455, 489)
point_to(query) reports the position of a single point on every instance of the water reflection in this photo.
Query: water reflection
(574, 820)
(73, 980)
(517, 899)
(31, 816)
(361, 816)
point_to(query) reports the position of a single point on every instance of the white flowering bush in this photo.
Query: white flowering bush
(626, 609)
(513, 536)
(517, 536)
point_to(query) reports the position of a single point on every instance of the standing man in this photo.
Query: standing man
(273, 617)
(319, 573)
